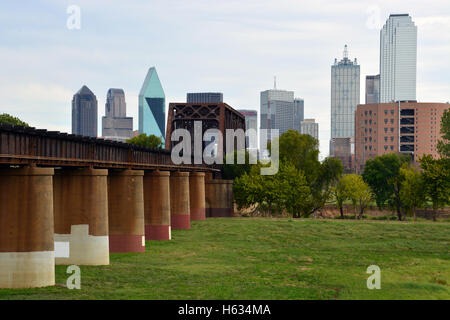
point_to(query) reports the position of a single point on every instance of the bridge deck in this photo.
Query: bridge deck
(31, 146)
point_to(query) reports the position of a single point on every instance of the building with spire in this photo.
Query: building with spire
(115, 124)
(276, 112)
(152, 106)
(345, 96)
(84, 113)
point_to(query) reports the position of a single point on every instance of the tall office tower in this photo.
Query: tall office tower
(152, 106)
(277, 109)
(309, 126)
(345, 79)
(398, 59)
(84, 113)
(299, 111)
(204, 97)
(251, 122)
(115, 124)
(372, 89)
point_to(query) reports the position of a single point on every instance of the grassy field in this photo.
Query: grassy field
(256, 258)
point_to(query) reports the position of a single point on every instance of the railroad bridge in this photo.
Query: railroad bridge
(89, 197)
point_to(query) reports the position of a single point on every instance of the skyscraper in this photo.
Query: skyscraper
(299, 111)
(398, 59)
(152, 106)
(277, 109)
(204, 97)
(345, 82)
(372, 89)
(309, 126)
(115, 124)
(84, 113)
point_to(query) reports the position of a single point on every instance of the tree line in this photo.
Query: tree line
(304, 185)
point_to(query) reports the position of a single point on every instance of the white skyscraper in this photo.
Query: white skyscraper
(398, 59)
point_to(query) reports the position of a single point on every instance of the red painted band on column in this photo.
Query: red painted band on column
(180, 221)
(198, 214)
(157, 232)
(126, 243)
(219, 212)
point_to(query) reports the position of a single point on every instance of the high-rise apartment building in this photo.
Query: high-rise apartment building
(372, 89)
(152, 106)
(84, 113)
(309, 126)
(398, 59)
(115, 124)
(345, 96)
(204, 97)
(406, 127)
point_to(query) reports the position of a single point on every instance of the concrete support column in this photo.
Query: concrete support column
(219, 198)
(197, 195)
(126, 211)
(81, 215)
(27, 258)
(157, 205)
(179, 200)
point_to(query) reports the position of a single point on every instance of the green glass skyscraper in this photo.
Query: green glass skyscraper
(152, 106)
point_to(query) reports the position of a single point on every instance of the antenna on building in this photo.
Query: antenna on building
(274, 82)
(345, 52)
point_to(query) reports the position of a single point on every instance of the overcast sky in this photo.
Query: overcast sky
(235, 47)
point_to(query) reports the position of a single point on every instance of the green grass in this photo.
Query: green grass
(257, 258)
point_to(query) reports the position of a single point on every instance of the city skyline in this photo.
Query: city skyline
(75, 57)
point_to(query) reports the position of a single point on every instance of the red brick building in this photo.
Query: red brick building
(406, 127)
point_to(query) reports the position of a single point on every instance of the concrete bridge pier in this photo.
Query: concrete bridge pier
(179, 200)
(157, 205)
(197, 195)
(219, 198)
(126, 211)
(27, 258)
(81, 215)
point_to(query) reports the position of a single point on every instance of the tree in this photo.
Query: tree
(383, 176)
(444, 145)
(143, 140)
(302, 185)
(412, 192)
(436, 180)
(328, 174)
(9, 119)
(358, 192)
(301, 150)
(295, 193)
(235, 170)
(341, 192)
(255, 189)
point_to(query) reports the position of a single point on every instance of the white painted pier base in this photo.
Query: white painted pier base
(27, 269)
(84, 249)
